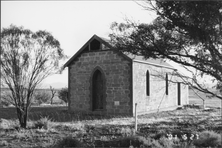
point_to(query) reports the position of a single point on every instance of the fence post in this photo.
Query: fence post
(135, 117)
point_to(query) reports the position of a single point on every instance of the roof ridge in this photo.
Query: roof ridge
(129, 55)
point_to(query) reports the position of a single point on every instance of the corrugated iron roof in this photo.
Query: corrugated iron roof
(107, 42)
(149, 60)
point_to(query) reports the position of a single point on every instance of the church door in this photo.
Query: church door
(97, 91)
(179, 93)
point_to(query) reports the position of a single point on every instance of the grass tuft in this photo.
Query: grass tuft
(43, 123)
(208, 139)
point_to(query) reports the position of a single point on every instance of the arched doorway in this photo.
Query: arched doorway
(97, 90)
(178, 93)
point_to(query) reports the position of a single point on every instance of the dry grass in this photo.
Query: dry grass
(152, 125)
(94, 128)
(209, 101)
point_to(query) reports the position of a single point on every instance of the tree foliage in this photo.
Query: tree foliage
(186, 32)
(6, 98)
(26, 59)
(42, 97)
(63, 94)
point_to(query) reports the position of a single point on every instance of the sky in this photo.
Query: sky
(71, 22)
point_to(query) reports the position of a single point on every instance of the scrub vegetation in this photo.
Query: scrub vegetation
(190, 126)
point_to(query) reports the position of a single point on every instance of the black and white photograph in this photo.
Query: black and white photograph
(109, 74)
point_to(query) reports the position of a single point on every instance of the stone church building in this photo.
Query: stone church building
(103, 80)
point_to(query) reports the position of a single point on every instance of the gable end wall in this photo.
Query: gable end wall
(117, 73)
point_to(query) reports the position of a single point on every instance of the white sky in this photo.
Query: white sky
(71, 22)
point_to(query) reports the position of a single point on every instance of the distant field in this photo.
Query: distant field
(35, 112)
(60, 112)
(55, 99)
(210, 102)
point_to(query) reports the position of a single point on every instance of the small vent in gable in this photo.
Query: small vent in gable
(95, 45)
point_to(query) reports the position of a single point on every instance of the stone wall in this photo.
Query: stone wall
(158, 100)
(117, 72)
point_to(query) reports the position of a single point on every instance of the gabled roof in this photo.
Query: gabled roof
(85, 45)
(106, 42)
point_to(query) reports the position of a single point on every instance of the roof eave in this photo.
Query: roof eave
(139, 61)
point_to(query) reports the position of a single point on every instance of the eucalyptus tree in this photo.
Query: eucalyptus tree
(27, 58)
(186, 32)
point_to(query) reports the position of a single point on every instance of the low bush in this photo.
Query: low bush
(132, 141)
(6, 98)
(69, 142)
(127, 131)
(5, 103)
(41, 97)
(43, 123)
(137, 141)
(208, 139)
(8, 124)
(160, 133)
(165, 142)
(4, 124)
(4, 143)
(63, 95)
(23, 134)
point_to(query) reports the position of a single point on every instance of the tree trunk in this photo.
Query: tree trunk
(53, 92)
(22, 116)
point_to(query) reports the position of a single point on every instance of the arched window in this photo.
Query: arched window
(147, 83)
(167, 85)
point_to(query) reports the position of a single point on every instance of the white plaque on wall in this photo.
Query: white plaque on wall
(116, 103)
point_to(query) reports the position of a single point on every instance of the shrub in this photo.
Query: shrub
(21, 134)
(135, 141)
(166, 143)
(160, 133)
(42, 97)
(4, 143)
(6, 98)
(5, 102)
(43, 123)
(208, 139)
(69, 142)
(155, 144)
(63, 94)
(139, 141)
(127, 131)
(4, 124)
(8, 124)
